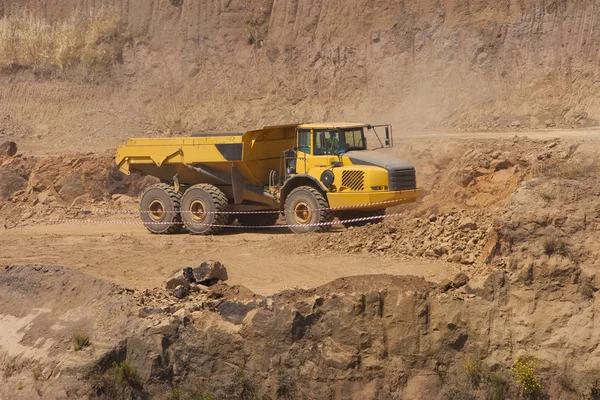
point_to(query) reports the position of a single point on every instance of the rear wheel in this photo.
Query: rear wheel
(203, 207)
(262, 219)
(348, 215)
(306, 207)
(159, 209)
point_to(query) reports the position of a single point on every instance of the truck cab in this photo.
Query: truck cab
(357, 183)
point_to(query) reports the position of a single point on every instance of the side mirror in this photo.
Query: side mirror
(387, 135)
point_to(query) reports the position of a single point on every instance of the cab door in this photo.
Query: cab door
(304, 150)
(326, 143)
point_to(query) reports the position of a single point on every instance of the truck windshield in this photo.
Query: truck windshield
(338, 141)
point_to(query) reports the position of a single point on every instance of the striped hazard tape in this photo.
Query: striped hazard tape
(114, 211)
(329, 223)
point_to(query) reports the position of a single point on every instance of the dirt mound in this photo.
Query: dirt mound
(452, 237)
(40, 187)
(43, 308)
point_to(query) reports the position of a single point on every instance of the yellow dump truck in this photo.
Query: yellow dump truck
(309, 173)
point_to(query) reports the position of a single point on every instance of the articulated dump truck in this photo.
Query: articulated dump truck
(309, 173)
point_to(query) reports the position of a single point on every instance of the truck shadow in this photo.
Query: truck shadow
(238, 230)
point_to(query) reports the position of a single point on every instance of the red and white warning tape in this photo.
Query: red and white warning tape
(113, 211)
(93, 221)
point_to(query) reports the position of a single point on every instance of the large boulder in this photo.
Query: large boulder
(208, 273)
(72, 187)
(10, 183)
(8, 149)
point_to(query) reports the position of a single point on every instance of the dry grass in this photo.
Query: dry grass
(88, 44)
(574, 170)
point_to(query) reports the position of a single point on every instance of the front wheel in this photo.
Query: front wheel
(306, 209)
(204, 209)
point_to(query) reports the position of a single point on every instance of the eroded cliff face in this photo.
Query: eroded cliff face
(366, 337)
(215, 65)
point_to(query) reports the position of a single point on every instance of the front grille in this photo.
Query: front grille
(354, 180)
(402, 179)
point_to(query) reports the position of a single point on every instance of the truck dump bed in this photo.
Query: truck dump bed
(209, 158)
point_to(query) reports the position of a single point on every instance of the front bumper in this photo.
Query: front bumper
(372, 200)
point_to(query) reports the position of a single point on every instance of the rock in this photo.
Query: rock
(384, 246)
(8, 149)
(184, 315)
(72, 187)
(432, 218)
(467, 179)
(460, 280)
(438, 251)
(515, 124)
(123, 200)
(47, 372)
(525, 275)
(180, 292)
(455, 258)
(430, 253)
(468, 260)
(445, 285)
(48, 196)
(208, 273)
(196, 288)
(498, 165)
(233, 311)
(480, 172)
(467, 224)
(178, 280)
(10, 183)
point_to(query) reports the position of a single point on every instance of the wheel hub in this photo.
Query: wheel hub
(157, 210)
(302, 213)
(198, 210)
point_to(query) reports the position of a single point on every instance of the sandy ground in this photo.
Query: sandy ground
(128, 255)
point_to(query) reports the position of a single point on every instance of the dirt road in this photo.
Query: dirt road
(130, 256)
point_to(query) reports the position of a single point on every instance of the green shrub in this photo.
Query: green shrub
(80, 341)
(556, 246)
(126, 375)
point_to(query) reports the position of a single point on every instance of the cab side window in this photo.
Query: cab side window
(304, 141)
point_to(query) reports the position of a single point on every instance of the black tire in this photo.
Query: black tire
(159, 209)
(202, 207)
(346, 215)
(307, 206)
(266, 219)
